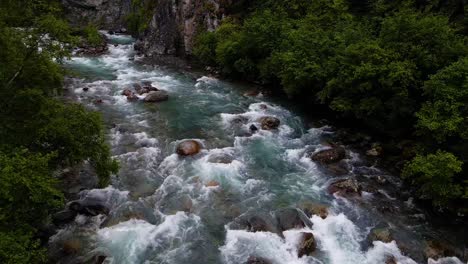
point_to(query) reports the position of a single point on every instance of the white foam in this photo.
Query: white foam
(129, 240)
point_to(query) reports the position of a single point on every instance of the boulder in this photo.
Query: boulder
(291, 218)
(438, 249)
(328, 156)
(257, 260)
(127, 92)
(157, 96)
(85, 89)
(380, 234)
(311, 208)
(307, 244)
(256, 222)
(345, 187)
(269, 122)
(98, 101)
(88, 207)
(137, 87)
(263, 106)
(64, 217)
(390, 260)
(188, 148)
(133, 97)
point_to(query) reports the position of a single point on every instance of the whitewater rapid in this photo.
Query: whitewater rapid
(163, 208)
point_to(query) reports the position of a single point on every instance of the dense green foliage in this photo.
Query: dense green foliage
(398, 67)
(39, 134)
(140, 17)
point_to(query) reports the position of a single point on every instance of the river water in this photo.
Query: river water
(162, 209)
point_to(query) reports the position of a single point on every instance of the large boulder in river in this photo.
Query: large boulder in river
(307, 244)
(328, 156)
(269, 122)
(345, 187)
(127, 92)
(157, 96)
(290, 218)
(188, 148)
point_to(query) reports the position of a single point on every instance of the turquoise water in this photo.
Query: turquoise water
(162, 210)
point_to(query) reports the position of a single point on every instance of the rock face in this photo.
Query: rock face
(109, 14)
(156, 96)
(188, 148)
(175, 24)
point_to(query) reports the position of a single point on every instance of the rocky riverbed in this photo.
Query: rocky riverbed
(213, 173)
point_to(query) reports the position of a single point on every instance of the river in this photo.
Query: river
(168, 209)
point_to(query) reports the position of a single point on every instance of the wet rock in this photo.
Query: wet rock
(188, 148)
(212, 184)
(137, 87)
(338, 168)
(253, 128)
(345, 187)
(263, 106)
(390, 260)
(375, 151)
(307, 245)
(111, 32)
(311, 208)
(256, 222)
(252, 93)
(88, 207)
(157, 96)
(328, 156)
(64, 217)
(85, 89)
(291, 218)
(221, 158)
(71, 247)
(380, 234)
(269, 122)
(257, 260)
(98, 101)
(127, 92)
(133, 97)
(438, 249)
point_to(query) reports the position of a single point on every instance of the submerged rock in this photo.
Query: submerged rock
(345, 187)
(188, 148)
(253, 128)
(328, 156)
(221, 158)
(307, 245)
(252, 93)
(157, 96)
(212, 184)
(269, 122)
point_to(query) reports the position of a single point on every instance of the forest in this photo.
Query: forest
(398, 68)
(40, 133)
